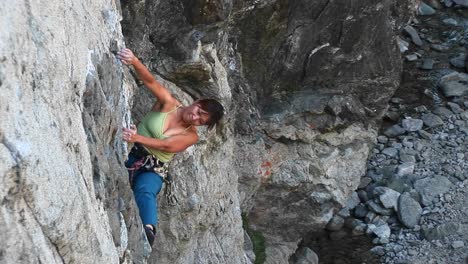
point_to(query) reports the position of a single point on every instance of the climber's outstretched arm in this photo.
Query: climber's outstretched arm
(161, 93)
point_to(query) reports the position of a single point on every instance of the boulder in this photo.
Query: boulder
(430, 187)
(454, 84)
(409, 211)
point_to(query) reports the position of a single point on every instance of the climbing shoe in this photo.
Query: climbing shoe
(150, 234)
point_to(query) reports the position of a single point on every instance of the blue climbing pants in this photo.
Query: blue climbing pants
(146, 187)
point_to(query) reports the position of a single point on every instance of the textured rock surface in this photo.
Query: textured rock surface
(64, 193)
(305, 85)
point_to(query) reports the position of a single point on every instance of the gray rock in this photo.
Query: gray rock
(360, 211)
(391, 152)
(434, 4)
(458, 244)
(378, 250)
(410, 124)
(382, 139)
(364, 182)
(424, 134)
(394, 131)
(448, 3)
(450, 21)
(441, 231)
(454, 84)
(411, 57)
(455, 107)
(306, 255)
(352, 201)
(442, 111)
(378, 209)
(407, 158)
(363, 196)
(430, 187)
(459, 61)
(409, 211)
(414, 35)
(382, 231)
(388, 197)
(359, 230)
(425, 10)
(440, 47)
(402, 44)
(463, 3)
(427, 64)
(405, 169)
(431, 120)
(336, 223)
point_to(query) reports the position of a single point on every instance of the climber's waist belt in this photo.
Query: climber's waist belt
(139, 152)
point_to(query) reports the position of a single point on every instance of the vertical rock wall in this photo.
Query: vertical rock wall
(64, 194)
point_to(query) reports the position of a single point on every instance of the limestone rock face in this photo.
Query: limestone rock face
(64, 192)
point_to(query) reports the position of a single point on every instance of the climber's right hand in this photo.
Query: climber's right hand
(126, 56)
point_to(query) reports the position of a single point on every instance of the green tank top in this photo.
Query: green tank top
(152, 126)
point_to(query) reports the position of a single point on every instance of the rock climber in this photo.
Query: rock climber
(167, 129)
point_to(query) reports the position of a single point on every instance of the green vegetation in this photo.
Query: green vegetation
(258, 241)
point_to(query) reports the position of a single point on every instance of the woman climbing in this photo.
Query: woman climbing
(167, 129)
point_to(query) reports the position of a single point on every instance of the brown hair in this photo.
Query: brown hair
(214, 108)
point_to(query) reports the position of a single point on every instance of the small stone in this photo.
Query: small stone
(440, 47)
(388, 197)
(306, 255)
(382, 231)
(405, 169)
(425, 134)
(463, 3)
(353, 201)
(443, 112)
(378, 250)
(394, 131)
(359, 230)
(413, 34)
(394, 116)
(455, 107)
(378, 209)
(363, 196)
(454, 84)
(402, 44)
(360, 211)
(427, 64)
(450, 21)
(391, 152)
(364, 182)
(458, 244)
(411, 57)
(425, 10)
(459, 61)
(410, 124)
(382, 139)
(431, 120)
(407, 158)
(336, 223)
(448, 3)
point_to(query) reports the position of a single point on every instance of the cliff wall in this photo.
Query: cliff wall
(305, 84)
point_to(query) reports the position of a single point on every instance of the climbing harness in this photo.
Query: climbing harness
(149, 162)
